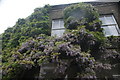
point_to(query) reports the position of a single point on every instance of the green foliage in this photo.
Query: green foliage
(82, 52)
(114, 41)
(24, 30)
(98, 35)
(79, 14)
(37, 23)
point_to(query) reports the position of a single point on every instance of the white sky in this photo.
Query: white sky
(11, 10)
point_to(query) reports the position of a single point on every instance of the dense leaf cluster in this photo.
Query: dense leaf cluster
(81, 14)
(24, 29)
(38, 22)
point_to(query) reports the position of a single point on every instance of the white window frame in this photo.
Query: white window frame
(112, 24)
(59, 28)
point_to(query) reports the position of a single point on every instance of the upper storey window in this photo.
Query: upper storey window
(57, 27)
(109, 25)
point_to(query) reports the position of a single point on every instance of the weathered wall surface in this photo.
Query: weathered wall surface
(119, 13)
(103, 8)
(110, 8)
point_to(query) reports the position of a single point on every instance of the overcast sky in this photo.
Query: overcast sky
(11, 10)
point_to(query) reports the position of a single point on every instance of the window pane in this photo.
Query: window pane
(103, 20)
(110, 30)
(106, 31)
(57, 24)
(62, 24)
(58, 32)
(113, 30)
(109, 19)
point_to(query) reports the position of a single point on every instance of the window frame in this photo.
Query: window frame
(59, 28)
(108, 24)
